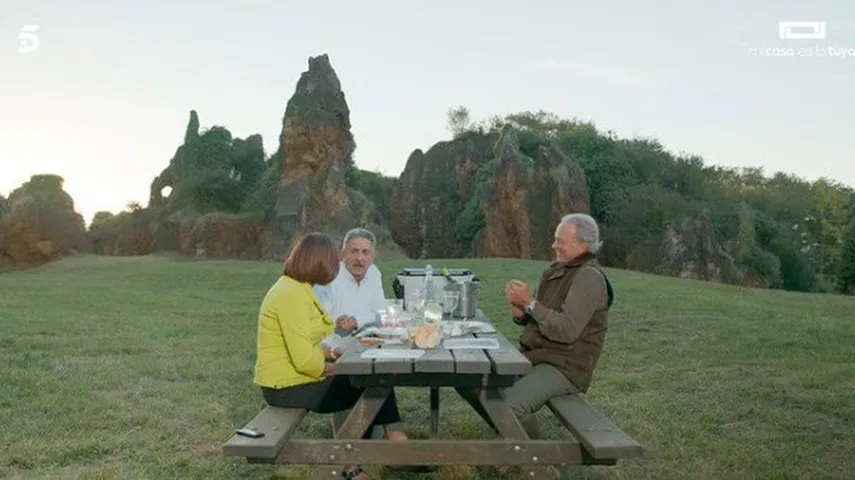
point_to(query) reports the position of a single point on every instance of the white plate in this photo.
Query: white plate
(392, 353)
(384, 332)
(470, 343)
(476, 326)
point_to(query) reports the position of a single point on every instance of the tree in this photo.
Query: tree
(846, 279)
(459, 120)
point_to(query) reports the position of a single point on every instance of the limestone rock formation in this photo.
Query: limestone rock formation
(211, 175)
(481, 195)
(41, 224)
(315, 149)
(127, 233)
(432, 191)
(220, 238)
(210, 172)
(690, 250)
(526, 198)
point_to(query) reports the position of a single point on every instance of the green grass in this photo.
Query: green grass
(141, 368)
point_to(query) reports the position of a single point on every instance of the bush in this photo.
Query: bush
(846, 280)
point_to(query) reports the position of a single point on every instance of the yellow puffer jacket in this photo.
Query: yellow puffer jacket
(291, 326)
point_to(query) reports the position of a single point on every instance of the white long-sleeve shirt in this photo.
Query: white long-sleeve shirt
(344, 296)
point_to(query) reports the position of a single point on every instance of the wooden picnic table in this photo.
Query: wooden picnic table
(479, 377)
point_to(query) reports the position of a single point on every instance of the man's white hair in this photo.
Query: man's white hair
(360, 233)
(587, 230)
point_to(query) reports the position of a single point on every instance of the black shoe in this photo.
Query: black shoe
(353, 473)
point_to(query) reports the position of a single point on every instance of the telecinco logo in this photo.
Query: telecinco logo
(28, 41)
(801, 30)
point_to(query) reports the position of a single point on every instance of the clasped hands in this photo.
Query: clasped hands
(518, 296)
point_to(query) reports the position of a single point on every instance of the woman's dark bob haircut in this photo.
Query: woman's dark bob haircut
(313, 259)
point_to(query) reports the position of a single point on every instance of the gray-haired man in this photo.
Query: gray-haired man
(357, 292)
(564, 328)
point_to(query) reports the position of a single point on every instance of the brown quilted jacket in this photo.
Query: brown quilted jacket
(567, 328)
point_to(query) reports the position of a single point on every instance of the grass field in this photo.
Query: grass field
(126, 368)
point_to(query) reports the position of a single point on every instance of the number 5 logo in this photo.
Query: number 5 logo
(28, 41)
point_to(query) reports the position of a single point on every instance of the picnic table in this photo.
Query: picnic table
(479, 377)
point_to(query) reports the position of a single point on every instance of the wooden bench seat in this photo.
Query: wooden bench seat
(277, 424)
(603, 441)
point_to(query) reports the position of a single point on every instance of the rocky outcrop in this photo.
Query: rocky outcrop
(220, 198)
(526, 197)
(134, 239)
(128, 233)
(432, 191)
(40, 224)
(315, 149)
(210, 172)
(690, 251)
(482, 195)
(166, 236)
(220, 238)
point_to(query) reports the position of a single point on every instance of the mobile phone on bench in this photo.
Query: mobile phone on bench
(249, 432)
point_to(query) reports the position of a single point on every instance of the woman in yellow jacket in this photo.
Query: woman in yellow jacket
(292, 367)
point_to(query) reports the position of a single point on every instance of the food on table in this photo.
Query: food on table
(425, 336)
(370, 341)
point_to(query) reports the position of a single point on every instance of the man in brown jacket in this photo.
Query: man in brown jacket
(564, 327)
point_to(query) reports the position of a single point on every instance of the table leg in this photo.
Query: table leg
(503, 419)
(361, 416)
(471, 396)
(434, 413)
(339, 418)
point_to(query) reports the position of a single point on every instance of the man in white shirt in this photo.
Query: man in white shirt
(356, 294)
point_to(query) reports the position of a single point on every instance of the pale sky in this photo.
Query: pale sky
(104, 99)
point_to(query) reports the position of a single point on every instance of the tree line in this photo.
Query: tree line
(785, 231)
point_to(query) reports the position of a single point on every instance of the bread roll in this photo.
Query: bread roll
(425, 336)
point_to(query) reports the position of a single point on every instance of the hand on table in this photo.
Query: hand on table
(332, 353)
(346, 322)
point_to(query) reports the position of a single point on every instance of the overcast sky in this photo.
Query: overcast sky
(104, 98)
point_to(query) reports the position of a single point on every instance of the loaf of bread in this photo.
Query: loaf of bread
(425, 336)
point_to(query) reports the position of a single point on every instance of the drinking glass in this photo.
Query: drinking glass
(393, 313)
(433, 312)
(383, 318)
(450, 300)
(415, 300)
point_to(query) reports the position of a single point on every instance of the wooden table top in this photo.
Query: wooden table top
(504, 361)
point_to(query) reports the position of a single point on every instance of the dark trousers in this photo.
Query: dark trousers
(332, 395)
